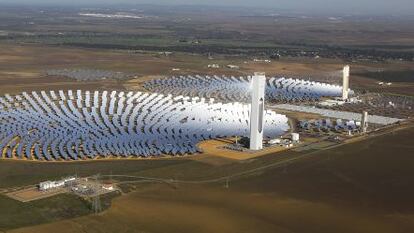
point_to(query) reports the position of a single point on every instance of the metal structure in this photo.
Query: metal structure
(73, 125)
(96, 200)
(364, 121)
(236, 89)
(257, 110)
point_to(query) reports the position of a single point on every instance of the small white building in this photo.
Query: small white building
(332, 102)
(275, 141)
(108, 187)
(234, 67)
(295, 137)
(260, 60)
(213, 66)
(43, 186)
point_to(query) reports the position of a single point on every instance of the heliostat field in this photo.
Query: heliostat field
(85, 125)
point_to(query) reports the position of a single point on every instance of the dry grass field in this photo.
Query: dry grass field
(22, 68)
(360, 187)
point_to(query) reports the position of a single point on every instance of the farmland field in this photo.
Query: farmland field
(348, 189)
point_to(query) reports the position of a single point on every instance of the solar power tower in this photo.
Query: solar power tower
(256, 112)
(345, 83)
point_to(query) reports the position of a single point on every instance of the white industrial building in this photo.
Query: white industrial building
(48, 185)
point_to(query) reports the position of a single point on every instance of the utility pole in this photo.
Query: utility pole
(96, 202)
(227, 183)
(285, 168)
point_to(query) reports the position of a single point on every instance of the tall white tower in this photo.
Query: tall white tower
(257, 111)
(345, 83)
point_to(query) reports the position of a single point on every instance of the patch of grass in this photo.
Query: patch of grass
(15, 214)
(17, 173)
(106, 199)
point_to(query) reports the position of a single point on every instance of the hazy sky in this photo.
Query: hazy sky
(341, 6)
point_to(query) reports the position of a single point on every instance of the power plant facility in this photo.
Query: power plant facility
(191, 116)
(172, 117)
